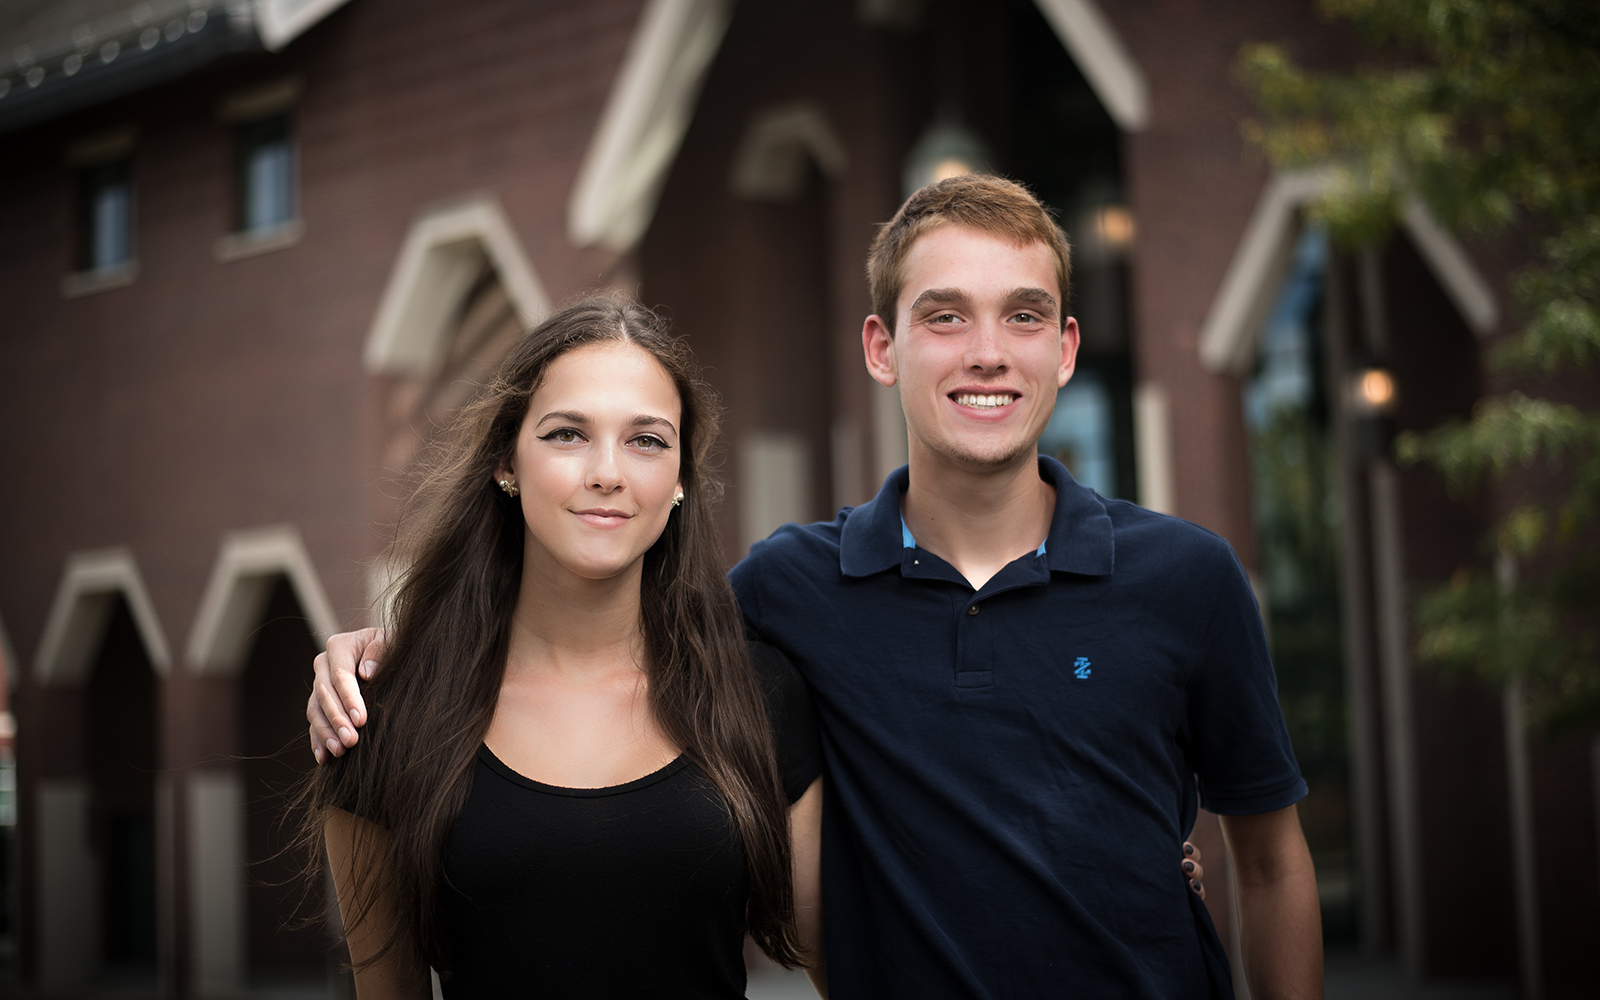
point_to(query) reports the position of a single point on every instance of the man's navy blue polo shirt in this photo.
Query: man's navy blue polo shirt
(1012, 772)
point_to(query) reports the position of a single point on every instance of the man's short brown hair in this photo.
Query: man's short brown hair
(983, 202)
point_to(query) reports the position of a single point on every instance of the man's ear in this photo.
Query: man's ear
(877, 343)
(1069, 352)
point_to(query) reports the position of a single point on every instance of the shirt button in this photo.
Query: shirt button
(972, 609)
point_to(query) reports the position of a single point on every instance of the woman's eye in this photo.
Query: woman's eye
(565, 435)
(649, 442)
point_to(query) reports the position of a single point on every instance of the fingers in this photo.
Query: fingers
(323, 737)
(337, 709)
(371, 656)
(1192, 868)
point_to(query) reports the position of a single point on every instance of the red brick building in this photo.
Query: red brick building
(252, 252)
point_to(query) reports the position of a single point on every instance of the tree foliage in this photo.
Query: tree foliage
(1488, 111)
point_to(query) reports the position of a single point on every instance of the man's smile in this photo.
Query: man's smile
(984, 400)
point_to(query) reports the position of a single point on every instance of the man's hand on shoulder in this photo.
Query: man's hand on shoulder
(335, 709)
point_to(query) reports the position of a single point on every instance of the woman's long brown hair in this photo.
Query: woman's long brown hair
(461, 543)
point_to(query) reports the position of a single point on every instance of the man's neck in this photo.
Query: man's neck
(977, 519)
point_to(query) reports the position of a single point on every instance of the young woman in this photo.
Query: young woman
(575, 781)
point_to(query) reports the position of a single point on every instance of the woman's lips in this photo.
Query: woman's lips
(602, 518)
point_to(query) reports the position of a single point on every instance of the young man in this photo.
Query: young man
(1024, 689)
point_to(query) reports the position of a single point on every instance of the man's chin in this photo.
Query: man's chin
(989, 459)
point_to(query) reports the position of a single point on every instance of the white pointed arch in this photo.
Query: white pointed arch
(87, 595)
(248, 565)
(644, 121)
(653, 97)
(1105, 62)
(442, 257)
(778, 142)
(1233, 324)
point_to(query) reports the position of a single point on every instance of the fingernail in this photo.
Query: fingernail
(367, 667)
(1188, 866)
(1194, 885)
(320, 754)
(1188, 848)
(334, 747)
(345, 735)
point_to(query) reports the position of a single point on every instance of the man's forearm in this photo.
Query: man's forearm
(1280, 921)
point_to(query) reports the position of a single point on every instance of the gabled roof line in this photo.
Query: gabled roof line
(1233, 324)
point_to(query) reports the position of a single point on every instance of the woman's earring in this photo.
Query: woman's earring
(510, 487)
(677, 500)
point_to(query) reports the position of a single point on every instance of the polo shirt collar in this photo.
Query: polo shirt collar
(1080, 538)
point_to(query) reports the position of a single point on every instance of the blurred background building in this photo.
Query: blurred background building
(252, 254)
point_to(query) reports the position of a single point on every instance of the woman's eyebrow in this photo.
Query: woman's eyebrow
(572, 416)
(645, 420)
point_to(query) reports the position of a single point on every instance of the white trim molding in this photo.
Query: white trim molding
(644, 121)
(1468, 290)
(248, 565)
(442, 256)
(1232, 326)
(778, 140)
(82, 608)
(280, 22)
(1098, 51)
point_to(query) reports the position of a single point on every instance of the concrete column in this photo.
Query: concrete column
(1524, 862)
(69, 880)
(217, 871)
(890, 447)
(1394, 671)
(1152, 430)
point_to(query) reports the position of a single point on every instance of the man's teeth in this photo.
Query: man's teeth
(984, 402)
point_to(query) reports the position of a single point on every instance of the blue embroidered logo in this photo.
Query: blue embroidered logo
(1082, 665)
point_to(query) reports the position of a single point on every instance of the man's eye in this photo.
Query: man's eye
(945, 318)
(1026, 317)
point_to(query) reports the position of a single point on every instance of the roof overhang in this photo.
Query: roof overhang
(82, 55)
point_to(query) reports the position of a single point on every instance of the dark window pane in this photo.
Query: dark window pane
(266, 175)
(107, 214)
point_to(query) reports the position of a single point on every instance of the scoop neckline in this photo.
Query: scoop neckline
(505, 771)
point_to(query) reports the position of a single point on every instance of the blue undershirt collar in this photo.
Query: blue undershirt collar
(907, 542)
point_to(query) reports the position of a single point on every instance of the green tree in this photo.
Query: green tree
(1489, 111)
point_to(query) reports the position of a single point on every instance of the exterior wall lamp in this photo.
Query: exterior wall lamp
(1371, 399)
